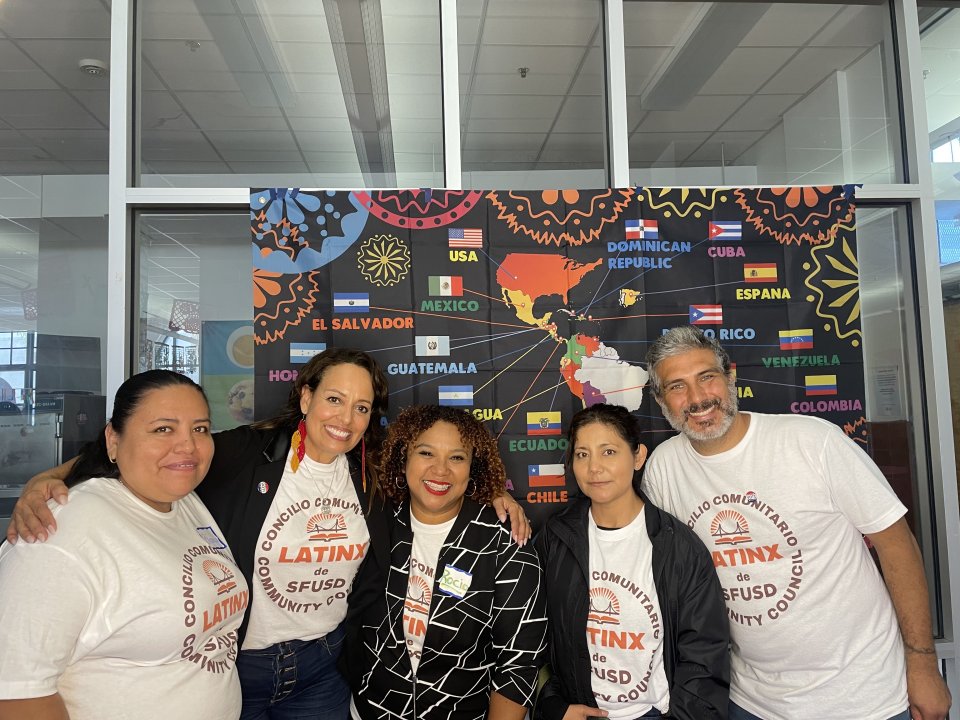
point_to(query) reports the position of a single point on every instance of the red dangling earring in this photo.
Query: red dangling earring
(299, 442)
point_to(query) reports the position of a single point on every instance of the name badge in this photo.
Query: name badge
(211, 538)
(455, 582)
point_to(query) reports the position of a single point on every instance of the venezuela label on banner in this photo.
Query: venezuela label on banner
(523, 307)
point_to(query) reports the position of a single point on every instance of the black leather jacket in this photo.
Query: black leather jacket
(696, 632)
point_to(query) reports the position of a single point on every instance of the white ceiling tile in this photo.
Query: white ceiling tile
(61, 60)
(503, 60)
(468, 29)
(789, 24)
(657, 23)
(317, 142)
(581, 114)
(302, 28)
(333, 161)
(414, 84)
(218, 81)
(511, 142)
(170, 57)
(416, 58)
(416, 107)
(54, 19)
(268, 167)
(856, 25)
(405, 29)
(761, 112)
(304, 82)
(513, 84)
(569, 9)
(317, 105)
(13, 59)
(745, 70)
(232, 142)
(185, 145)
(809, 68)
(70, 145)
(26, 80)
(306, 56)
(642, 63)
(180, 26)
(723, 147)
(38, 109)
(229, 111)
(507, 107)
(497, 124)
(705, 112)
(431, 125)
(545, 31)
(308, 123)
(160, 111)
(291, 8)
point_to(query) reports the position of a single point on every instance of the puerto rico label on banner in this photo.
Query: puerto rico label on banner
(521, 307)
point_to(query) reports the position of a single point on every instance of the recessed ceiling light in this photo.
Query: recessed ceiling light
(92, 66)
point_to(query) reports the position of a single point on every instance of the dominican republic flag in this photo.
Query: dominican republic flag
(465, 238)
(351, 302)
(821, 384)
(458, 395)
(759, 272)
(545, 476)
(706, 314)
(543, 423)
(433, 344)
(301, 353)
(445, 285)
(796, 339)
(725, 230)
(642, 230)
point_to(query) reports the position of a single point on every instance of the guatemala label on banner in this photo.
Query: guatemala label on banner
(522, 307)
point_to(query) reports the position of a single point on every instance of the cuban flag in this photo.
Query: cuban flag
(301, 353)
(820, 384)
(545, 476)
(456, 395)
(725, 230)
(351, 302)
(706, 314)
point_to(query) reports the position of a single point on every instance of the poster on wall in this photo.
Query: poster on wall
(226, 371)
(523, 307)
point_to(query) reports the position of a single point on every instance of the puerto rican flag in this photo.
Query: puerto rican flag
(706, 314)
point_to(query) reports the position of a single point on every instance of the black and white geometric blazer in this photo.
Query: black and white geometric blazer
(491, 639)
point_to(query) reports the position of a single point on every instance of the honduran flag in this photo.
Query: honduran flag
(457, 395)
(796, 339)
(821, 384)
(301, 353)
(725, 230)
(543, 423)
(545, 476)
(706, 314)
(351, 302)
(445, 285)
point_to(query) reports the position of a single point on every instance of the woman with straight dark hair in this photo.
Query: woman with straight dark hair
(638, 626)
(132, 609)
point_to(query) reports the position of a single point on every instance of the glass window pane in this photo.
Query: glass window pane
(532, 94)
(196, 305)
(290, 92)
(761, 93)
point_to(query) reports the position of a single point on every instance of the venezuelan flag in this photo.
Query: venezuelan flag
(821, 384)
(796, 339)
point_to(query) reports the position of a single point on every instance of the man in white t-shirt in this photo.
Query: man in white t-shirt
(783, 502)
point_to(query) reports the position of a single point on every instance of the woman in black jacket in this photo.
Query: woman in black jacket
(637, 624)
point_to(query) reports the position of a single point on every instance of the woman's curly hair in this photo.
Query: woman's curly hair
(487, 474)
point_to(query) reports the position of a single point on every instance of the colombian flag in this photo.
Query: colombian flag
(821, 384)
(545, 476)
(759, 272)
(796, 339)
(543, 423)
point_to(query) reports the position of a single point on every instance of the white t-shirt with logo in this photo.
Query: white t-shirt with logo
(624, 626)
(427, 543)
(126, 612)
(308, 553)
(812, 625)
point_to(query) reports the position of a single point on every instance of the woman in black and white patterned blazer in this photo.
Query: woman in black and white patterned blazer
(459, 632)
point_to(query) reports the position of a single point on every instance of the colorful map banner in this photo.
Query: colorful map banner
(525, 306)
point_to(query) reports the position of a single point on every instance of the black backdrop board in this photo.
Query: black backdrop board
(525, 306)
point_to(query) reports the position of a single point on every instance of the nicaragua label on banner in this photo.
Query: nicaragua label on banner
(523, 307)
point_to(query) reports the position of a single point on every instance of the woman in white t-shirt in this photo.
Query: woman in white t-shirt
(131, 611)
(638, 626)
(459, 630)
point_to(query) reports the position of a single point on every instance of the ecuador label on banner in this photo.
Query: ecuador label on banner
(523, 307)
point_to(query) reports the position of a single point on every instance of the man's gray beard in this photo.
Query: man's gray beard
(728, 409)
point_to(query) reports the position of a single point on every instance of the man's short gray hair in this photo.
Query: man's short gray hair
(677, 341)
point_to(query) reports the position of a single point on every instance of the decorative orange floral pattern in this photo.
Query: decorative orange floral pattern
(809, 214)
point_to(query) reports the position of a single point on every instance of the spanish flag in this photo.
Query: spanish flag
(760, 272)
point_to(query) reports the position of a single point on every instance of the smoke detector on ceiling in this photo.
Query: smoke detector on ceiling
(92, 66)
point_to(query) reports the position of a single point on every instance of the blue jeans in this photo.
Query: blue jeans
(738, 713)
(294, 680)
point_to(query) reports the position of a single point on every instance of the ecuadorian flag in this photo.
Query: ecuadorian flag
(543, 423)
(796, 339)
(545, 476)
(821, 384)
